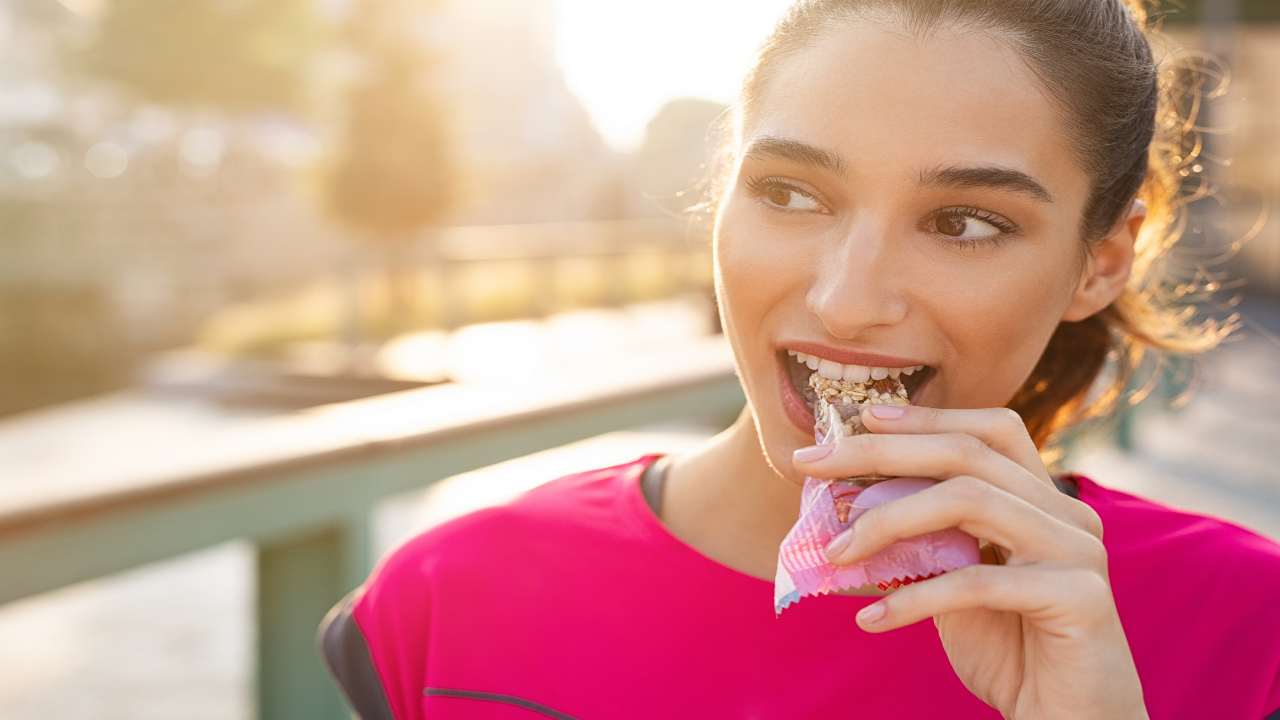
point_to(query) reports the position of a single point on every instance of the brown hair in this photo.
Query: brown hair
(1132, 124)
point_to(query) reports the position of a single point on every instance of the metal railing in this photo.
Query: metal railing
(302, 489)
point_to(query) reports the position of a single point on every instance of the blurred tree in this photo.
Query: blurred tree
(232, 55)
(393, 176)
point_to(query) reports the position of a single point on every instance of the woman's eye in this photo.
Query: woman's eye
(782, 196)
(971, 226)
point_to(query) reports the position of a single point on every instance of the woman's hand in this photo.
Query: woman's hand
(1035, 637)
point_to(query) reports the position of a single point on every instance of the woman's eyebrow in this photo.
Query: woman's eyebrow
(800, 152)
(991, 176)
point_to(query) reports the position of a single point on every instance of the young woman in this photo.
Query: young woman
(979, 187)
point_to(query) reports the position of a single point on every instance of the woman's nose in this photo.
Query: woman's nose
(858, 284)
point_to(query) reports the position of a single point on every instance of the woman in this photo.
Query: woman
(979, 187)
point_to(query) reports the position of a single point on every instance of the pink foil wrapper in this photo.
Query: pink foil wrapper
(827, 508)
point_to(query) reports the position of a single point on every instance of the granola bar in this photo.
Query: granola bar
(848, 397)
(837, 411)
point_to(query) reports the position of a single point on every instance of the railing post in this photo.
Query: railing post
(1123, 434)
(299, 579)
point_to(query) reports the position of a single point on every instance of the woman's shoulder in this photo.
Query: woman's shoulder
(1197, 597)
(1145, 534)
(560, 510)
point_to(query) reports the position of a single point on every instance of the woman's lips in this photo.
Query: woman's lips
(797, 409)
(793, 404)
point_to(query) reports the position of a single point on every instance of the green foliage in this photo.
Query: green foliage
(1181, 12)
(241, 55)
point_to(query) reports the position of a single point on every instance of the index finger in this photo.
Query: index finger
(1000, 429)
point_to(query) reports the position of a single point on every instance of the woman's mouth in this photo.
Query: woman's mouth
(798, 398)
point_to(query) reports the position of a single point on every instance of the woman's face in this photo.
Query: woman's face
(913, 199)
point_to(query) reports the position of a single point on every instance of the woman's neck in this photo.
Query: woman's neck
(726, 501)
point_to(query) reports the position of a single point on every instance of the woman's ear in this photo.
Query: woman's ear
(1107, 267)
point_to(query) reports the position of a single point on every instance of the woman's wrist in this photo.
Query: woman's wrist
(1110, 709)
(1139, 713)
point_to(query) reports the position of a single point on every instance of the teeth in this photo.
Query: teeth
(809, 360)
(853, 373)
(856, 373)
(830, 370)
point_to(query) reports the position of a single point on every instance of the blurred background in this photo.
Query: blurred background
(259, 259)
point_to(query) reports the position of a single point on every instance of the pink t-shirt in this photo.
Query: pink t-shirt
(574, 601)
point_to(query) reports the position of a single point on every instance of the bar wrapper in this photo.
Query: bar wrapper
(830, 506)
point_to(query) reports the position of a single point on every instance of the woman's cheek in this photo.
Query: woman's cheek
(753, 265)
(1000, 329)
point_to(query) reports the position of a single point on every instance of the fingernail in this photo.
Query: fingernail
(811, 453)
(871, 614)
(840, 542)
(888, 412)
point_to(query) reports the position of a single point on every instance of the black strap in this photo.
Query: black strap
(1068, 485)
(346, 654)
(651, 483)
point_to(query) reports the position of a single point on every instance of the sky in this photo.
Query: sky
(625, 59)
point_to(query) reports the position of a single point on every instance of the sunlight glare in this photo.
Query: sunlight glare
(624, 60)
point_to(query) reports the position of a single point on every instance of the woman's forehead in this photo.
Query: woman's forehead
(885, 101)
